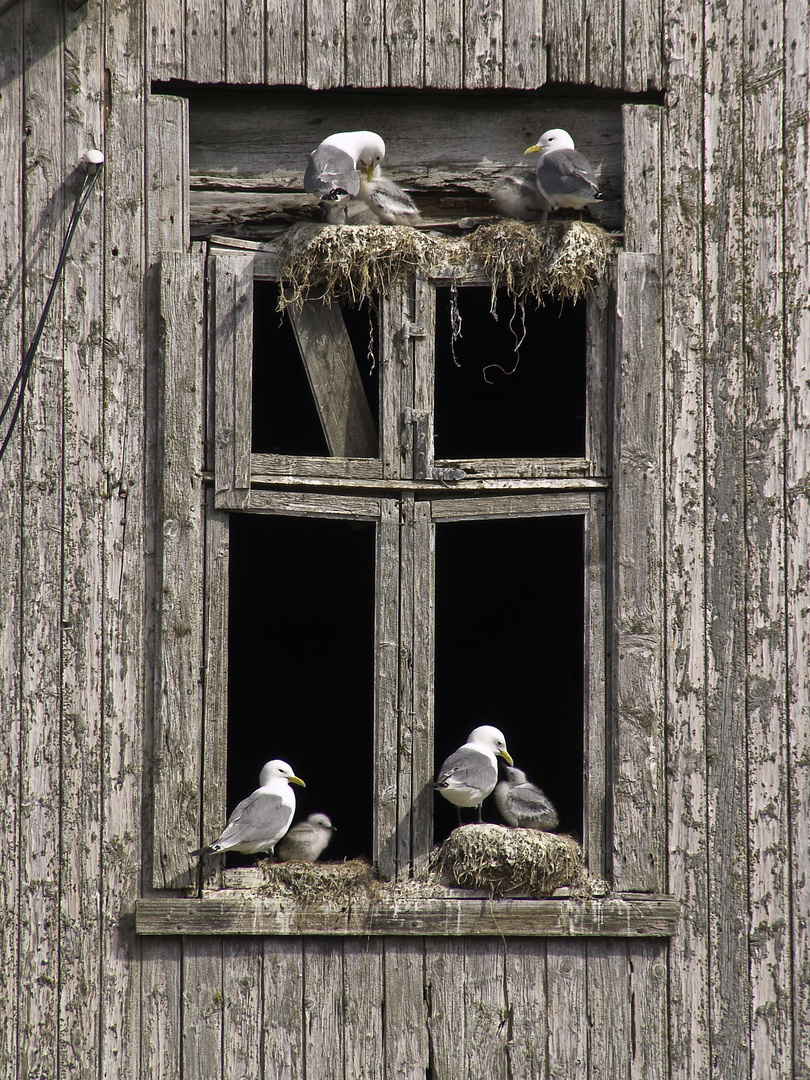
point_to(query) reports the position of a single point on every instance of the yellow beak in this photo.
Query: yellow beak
(507, 757)
(298, 780)
(370, 171)
(533, 149)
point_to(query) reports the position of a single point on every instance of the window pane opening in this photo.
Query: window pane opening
(301, 667)
(510, 652)
(315, 378)
(511, 387)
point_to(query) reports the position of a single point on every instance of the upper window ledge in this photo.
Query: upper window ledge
(625, 915)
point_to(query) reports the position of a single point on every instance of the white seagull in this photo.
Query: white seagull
(470, 774)
(524, 805)
(260, 820)
(306, 840)
(564, 177)
(332, 169)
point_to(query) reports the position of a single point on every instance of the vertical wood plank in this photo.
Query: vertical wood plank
(566, 989)
(167, 224)
(608, 1008)
(323, 1008)
(242, 961)
(409, 552)
(167, 35)
(765, 584)
(421, 713)
(282, 1022)
(11, 347)
(386, 692)
(178, 701)
(603, 35)
(161, 1006)
(725, 553)
(527, 1008)
(366, 57)
(285, 42)
(524, 55)
(396, 390)
(649, 1028)
(682, 207)
(128, 545)
(405, 40)
(203, 1008)
(205, 41)
(565, 31)
(600, 336)
(483, 44)
(642, 45)
(487, 1026)
(796, 209)
(639, 825)
(444, 58)
(405, 1044)
(244, 42)
(230, 341)
(44, 198)
(446, 1006)
(596, 766)
(641, 194)
(82, 572)
(325, 44)
(363, 1007)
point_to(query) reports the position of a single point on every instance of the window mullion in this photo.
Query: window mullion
(386, 696)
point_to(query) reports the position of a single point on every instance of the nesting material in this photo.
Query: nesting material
(500, 860)
(312, 883)
(561, 259)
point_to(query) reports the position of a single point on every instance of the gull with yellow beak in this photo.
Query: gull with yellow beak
(471, 772)
(334, 166)
(564, 177)
(260, 820)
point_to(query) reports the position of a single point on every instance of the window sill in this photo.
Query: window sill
(623, 915)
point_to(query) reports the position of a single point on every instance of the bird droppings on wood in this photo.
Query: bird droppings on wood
(558, 259)
(501, 860)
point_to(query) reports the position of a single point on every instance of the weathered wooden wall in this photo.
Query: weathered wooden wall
(81, 994)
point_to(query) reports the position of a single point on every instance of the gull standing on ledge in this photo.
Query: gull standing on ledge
(332, 170)
(524, 805)
(564, 177)
(306, 840)
(471, 773)
(260, 820)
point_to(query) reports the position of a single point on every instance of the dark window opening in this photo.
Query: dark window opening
(509, 651)
(301, 667)
(511, 387)
(285, 414)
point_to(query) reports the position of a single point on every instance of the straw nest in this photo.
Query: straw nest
(500, 860)
(561, 259)
(342, 883)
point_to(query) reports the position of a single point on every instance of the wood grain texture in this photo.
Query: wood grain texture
(765, 583)
(244, 31)
(597, 774)
(638, 649)
(566, 983)
(444, 60)
(203, 1008)
(324, 1031)
(11, 346)
(608, 996)
(364, 1006)
(487, 1019)
(446, 1011)
(410, 549)
(420, 720)
(325, 47)
(649, 1009)
(166, 50)
(483, 44)
(405, 1027)
(161, 1008)
(604, 60)
(285, 42)
(205, 41)
(386, 688)
(565, 33)
(45, 211)
(528, 1013)
(524, 57)
(366, 55)
(167, 161)
(283, 1014)
(242, 1007)
(642, 128)
(404, 39)
(178, 699)
(643, 36)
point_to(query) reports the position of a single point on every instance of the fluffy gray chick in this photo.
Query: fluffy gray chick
(524, 805)
(307, 840)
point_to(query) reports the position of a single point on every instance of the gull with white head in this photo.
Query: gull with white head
(471, 772)
(333, 169)
(564, 177)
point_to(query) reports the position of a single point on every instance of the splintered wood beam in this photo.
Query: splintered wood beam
(334, 379)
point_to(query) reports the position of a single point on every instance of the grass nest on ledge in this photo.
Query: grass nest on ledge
(501, 860)
(560, 259)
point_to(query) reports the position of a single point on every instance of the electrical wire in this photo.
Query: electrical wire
(94, 167)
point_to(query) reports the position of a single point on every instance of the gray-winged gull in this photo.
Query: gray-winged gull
(332, 169)
(516, 195)
(386, 200)
(306, 840)
(470, 774)
(524, 805)
(564, 176)
(260, 820)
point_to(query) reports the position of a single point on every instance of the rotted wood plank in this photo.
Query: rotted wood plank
(649, 1010)
(642, 127)
(524, 55)
(608, 997)
(682, 209)
(615, 917)
(603, 37)
(325, 50)
(643, 40)
(302, 503)
(517, 468)
(638, 647)
(483, 44)
(203, 1008)
(283, 1016)
(334, 378)
(178, 697)
(508, 506)
(444, 61)
(364, 1008)
(487, 1027)
(323, 1009)
(405, 1029)
(404, 37)
(244, 31)
(797, 458)
(274, 468)
(285, 43)
(366, 57)
(386, 688)
(230, 342)
(205, 41)
(446, 1007)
